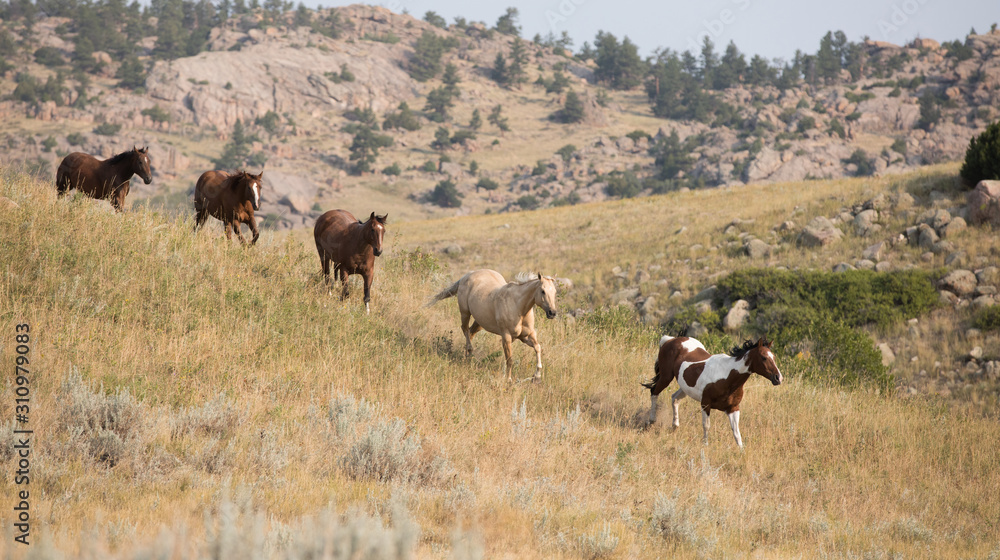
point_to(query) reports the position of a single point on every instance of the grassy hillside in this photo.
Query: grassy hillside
(198, 399)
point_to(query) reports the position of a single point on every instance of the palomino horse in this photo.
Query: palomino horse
(716, 381)
(231, 198)
(503, 308)
(351, 245)
(103, 179)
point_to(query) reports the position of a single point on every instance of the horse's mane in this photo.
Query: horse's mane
(118, 158)
(234, 179)
(739, 351)
(524, 277)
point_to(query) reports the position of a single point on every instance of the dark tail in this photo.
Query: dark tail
(448, 292)
(656, 376)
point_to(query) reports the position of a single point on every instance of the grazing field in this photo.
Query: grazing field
(192, 398)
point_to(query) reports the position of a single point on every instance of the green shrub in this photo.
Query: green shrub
(539, 169)
(157, 114)
(619, 323)
(49, 143)
(982, 158)
(987, 318)
(387, 37)
(404, 118)
(49, 56)
(820, 312)
(445, 195)
(806, 123)
(865, 164)
(624, 185)
(74, 138)
(856, 297)
(566, 152)
(487, 184)
(899, 146)
(858, 97)
(429, 167)
(837, 128)
(528, 202)
(393, 169)
(107, 129)
(635, 135)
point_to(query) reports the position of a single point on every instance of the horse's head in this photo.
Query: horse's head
(250, 185)
(140, 164)
(545, 296)
(375, 231)
(761, 360)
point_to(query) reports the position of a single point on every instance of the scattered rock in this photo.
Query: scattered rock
(936, 218)
(903, 201)
(624, 296)
(298, 204)
(707, 293)
(453, 249)
(984, 204)
(757, 249)
(982, 290)
(641, 276)
(984, 301)
(955, 226)
(820, 232)
(961, 282)
(888, 356)
(926, 236)
(989, 275)
(864, 221)
(843, 267)
(976, 353)
(947, 298)
(883, 266)
(696, 330)
(957, 258)
(864, 264)
(737, 316)
(874, 252)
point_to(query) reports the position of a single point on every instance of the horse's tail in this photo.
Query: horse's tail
(445, 293)
(656, 366)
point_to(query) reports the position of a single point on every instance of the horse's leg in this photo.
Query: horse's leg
(253, 227)
(229, 231)
(324, 262)
(467, 331)
(239, 232)
(118, 200)
(368, 277)
(704, 423)
(531, 339)
(62, 182)
(346, 290)
(677, 407)
(734, 421)
(508, 354)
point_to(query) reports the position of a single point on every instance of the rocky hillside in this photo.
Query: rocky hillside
(297, 86)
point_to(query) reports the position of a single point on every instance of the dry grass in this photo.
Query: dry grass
(238, 362)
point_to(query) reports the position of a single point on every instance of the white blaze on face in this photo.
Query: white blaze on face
(256, 194)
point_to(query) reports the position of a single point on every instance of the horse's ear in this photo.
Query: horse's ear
(383, 218)
(539, 275)
(372, 217)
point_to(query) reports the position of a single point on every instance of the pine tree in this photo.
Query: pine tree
(450, 78)
(500, 72)
(364, 148)
(507, 23)
(476, 122)
(498, 120)
(572, 110)
(439, 100)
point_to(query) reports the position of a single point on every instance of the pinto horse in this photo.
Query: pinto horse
(716, 381)
(108, 179)
(503, 308)
(351, 245)
(232, 198)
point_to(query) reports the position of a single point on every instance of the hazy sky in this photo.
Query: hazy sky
(772, 28)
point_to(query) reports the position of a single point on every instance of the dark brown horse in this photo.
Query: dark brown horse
(351, 245)
(106, 179)
(231, 198)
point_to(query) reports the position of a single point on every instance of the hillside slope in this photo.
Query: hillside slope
(909, 106)
(194, 397)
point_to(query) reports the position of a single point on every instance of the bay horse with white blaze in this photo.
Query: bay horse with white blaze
(351, 245)
(107, 179)
(716, 381)
(503, 308)
(229, 197)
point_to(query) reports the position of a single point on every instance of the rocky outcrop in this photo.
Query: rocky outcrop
(984, 204)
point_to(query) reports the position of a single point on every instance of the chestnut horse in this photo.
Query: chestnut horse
(108, 179)
(351, 245)
(716, 381)
(503, 308)
(231, 198)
